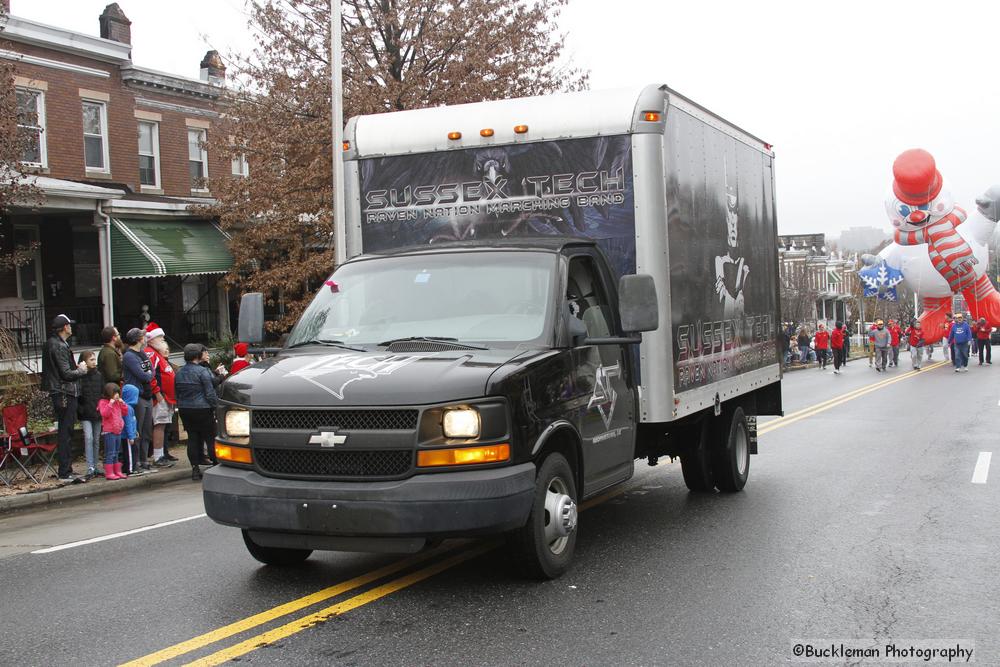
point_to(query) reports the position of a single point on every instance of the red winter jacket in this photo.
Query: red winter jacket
(822, 340)
(982, 331)
(915, 335)
(837, 339)
(894, 333)
(163, 376)
(112, 416)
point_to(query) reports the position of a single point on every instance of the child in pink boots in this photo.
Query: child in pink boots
(113, 410)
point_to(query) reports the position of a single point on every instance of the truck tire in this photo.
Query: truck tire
(543, 548)
(731, 456)
(696, 460)
(275, 555)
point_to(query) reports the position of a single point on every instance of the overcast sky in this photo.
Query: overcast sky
(839, 89)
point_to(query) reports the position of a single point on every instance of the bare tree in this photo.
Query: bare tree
(15, 186)
(398, 54)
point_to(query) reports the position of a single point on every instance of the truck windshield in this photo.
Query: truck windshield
(477, 296)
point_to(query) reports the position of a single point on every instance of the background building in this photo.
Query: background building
(118, 153)
(816, 285)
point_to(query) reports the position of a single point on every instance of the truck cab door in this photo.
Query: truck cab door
(605, 381)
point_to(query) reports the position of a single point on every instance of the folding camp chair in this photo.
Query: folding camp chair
(16, 451)
(38, 456)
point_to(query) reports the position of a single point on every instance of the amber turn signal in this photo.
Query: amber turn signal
(233, 453)
(463, 456)
(651, 116)
(520, 129)
(347, 145)
(454, 136)
(486, 132)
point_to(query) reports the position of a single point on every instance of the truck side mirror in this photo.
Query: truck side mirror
(637, 303)
(251, 326)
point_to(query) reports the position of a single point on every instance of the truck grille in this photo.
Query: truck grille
(379, 463)
(348, 420)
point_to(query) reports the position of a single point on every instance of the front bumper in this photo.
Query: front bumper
(462, 503)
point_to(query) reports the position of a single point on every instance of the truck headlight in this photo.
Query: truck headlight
(238, 423)
(461, 423)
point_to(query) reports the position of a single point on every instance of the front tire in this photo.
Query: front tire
(731, 457)
(544, 547)
(275, 555)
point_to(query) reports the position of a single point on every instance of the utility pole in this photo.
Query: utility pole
(337, 103)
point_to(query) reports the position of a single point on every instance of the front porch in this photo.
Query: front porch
(108, 258)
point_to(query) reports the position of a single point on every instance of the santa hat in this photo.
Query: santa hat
(153, 330)
(916, 179)
(241, 349)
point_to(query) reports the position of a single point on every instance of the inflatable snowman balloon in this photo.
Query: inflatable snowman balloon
(940, 251)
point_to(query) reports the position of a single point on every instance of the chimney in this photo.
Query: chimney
(115, 25)
(213, 70)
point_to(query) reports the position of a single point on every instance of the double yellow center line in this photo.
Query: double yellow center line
(323, 615)
(456, 557)
(813, 410)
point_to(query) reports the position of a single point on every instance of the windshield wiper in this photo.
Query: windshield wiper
(434, 339)
(328, 343)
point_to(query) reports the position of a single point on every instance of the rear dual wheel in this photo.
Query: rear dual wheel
(696, 461)
(731, 456)
(718, 455)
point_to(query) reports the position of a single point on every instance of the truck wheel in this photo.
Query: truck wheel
(544, 546)
(696, 460)
(731, 457)
(274, 555)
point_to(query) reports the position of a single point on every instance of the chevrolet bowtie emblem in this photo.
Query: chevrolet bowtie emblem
(327, 439)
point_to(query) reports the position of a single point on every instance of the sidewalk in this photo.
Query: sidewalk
(798, 366)
(25, 494)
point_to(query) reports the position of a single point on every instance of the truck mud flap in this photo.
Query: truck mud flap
(752, 429)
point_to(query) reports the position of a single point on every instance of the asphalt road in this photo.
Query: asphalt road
(860, 523)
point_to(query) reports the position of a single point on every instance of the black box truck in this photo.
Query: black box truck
(532, 294)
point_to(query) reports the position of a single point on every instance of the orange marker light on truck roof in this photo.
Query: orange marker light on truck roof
(520, 129)
(347, 145)
(454, 136)
(463, 456)
(486, 132)
(651, 116)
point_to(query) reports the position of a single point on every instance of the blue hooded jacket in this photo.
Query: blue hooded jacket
(130, 394)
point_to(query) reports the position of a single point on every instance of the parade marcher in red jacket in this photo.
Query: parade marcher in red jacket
(822, 345)
(982, 330)
(894, 332)
(837, 345)
(915, 337)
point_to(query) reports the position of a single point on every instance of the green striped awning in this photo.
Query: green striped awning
(156, 248)
(832, 275)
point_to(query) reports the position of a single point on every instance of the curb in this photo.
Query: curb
(89, 490)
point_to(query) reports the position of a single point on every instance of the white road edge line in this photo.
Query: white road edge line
(113, 536)
(982, 470)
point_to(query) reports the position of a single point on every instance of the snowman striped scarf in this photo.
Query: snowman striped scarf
(948, 251)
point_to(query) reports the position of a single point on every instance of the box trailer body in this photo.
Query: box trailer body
(530, 296)
(664, 186)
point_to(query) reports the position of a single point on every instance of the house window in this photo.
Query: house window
(240, 166)
(31, 126)
(197, 158)
(149, 154)
(95, 132)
